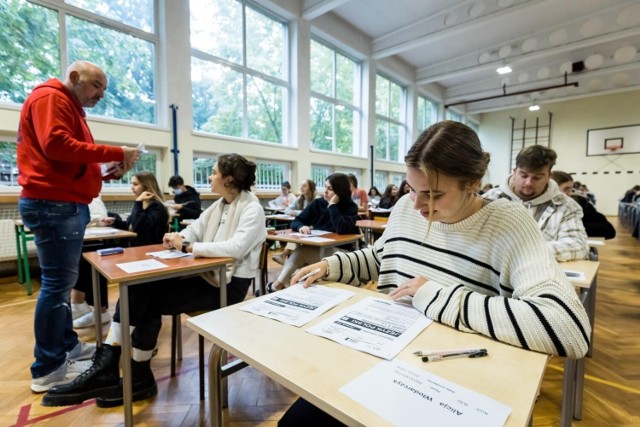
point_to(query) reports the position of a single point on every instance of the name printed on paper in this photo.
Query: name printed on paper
(374, 325)
(296, 305)
(411, 394)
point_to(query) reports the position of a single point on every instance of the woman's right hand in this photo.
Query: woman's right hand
(106, 221)
(322, 266)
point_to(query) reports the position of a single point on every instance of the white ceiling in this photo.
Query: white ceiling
(459, 44)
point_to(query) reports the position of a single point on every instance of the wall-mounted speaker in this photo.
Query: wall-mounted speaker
(576, 67)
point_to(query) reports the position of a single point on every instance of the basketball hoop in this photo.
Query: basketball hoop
(613, 148)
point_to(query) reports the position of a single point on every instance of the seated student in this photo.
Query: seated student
(403, 189)
(358, 195)
(389, 197)
(285, 199)
(307, 195)
(476, 265)
(558, 217)
(595, 224)
(632, 195)
(335, 212)
(488, 186)
(374, 196)
(187, 200)
(233, 227)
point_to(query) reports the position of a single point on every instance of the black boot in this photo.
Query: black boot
(144, 386)
(102, 377)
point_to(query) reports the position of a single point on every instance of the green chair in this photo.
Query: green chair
(23, 236)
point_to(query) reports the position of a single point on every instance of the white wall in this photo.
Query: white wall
(606, 176)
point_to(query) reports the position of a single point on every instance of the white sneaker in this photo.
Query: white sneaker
(82, 351)
(81, 309)
(86, 320)
(63, 375)
(280, 258)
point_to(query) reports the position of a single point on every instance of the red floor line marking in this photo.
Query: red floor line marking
(23, 415)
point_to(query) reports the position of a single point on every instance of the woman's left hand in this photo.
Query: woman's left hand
(305, 229)
(408, 288)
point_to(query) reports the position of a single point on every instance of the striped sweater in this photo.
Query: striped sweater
(490, 273)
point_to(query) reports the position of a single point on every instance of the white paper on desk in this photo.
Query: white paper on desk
(168, 254)
(100, 231)
(296, 305)
(575, 275)
(317, 239)
(412, 394)
(374, 325)
(144, 265)
(319, 232)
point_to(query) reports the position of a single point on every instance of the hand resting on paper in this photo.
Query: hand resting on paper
(408, 288)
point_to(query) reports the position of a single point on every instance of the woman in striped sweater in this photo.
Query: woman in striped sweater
(478, 266)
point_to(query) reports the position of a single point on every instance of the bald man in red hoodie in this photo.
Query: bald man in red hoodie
(61, 170)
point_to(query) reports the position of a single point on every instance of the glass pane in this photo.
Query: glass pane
(395, 99)
(265, 44)
(380, 181)
(216, 28)
(397, 179)
(130, 69)
(346, 78)
(202, 168)
(264, 110)
(394, 142)
(321, 69)
(217, 98)
(422, 114)
(270, 176)
(138, 14)
(344, 130)
(29, 48)
(319, 175)
(382, 96)
(147, 162)
(381, 140)
(8, 164)
(321, 125)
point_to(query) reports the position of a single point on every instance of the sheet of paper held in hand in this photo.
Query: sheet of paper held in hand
(296, 305)
(412, 394)
(374, 325)
(144, 265)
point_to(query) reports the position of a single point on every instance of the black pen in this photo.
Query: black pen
(436, 357)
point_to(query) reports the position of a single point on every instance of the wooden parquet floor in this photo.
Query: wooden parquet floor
(612, 386)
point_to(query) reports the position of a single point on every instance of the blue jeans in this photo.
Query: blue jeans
(58, 229)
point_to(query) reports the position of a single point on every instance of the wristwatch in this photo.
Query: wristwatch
(185, 244)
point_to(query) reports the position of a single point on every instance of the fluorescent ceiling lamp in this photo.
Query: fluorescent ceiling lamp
(534, 107)
(504, 70)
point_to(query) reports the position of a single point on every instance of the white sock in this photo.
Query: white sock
(142, 355)
(114, 337)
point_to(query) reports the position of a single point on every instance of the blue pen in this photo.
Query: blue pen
(473, 355)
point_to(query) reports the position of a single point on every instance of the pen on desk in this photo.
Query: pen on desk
(474, 355)
(448, 351)
(309, 274)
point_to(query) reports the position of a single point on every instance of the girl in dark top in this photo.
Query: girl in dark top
(334, 212)
(149, 217)
(389, 197)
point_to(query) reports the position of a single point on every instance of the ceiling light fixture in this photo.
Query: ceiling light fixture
(534, 107)
(504, 92)
(504, 70)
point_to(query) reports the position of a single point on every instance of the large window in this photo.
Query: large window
(335, 100)
(319, 174)
(391, 128)
(239, 71)
(148, 162)
(202, 168)
(453, 115)
(427, 113)
(383, 178)
(34, 47)
(8, 165)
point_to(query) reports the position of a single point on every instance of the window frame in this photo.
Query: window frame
(401, 122)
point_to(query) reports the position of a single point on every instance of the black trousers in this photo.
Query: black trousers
(149, 301)
(303, 413)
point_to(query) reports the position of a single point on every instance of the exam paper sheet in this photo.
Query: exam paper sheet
(377, 326)
(406, 395)
(296, 305)
(144, 265)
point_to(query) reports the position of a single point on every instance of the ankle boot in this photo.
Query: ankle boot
(144, 386)
(102, 377)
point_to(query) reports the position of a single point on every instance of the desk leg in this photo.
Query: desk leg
(97, 304)
(215, 386)
(223, 358)
(126, 356)
(590, 306)
(579, 386)
(19, 254)
(568, 391)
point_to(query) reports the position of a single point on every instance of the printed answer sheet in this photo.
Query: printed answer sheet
(377, 326)
(296, 305)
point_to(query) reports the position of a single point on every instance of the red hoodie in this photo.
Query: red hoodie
(57, 158)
